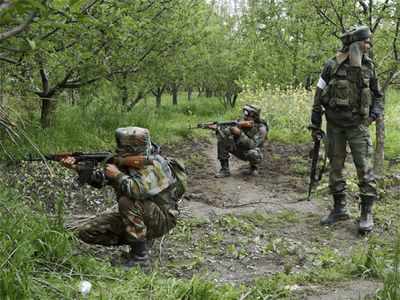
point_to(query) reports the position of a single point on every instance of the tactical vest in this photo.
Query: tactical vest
(347, 96)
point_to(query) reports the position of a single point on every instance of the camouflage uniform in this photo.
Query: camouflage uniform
(146, 204)
(350, 97)
(147, 198)
(248, 146)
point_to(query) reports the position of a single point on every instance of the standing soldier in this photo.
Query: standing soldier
(348, 93)
(147, 196)
(245, 143)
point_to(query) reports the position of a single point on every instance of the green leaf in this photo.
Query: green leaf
(32, 44)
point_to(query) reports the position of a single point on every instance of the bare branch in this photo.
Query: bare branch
(7, 59)
(395, 50)
(324, 16)
(364, 7)
(338, 16)
(379, 19)
(18, 29)
(45, 81)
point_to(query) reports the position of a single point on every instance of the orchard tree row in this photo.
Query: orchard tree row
(149, 47)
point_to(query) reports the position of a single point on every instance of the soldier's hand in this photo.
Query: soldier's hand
(316, 134)
(112, 171)
(212, 126)
(68, 162)
(235, 130)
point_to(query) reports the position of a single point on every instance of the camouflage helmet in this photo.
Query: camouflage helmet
(252, 111)
(355, 34)
(134, 140)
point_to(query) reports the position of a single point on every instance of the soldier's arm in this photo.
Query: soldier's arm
(260, 137)
(376, 109)
(130, 186)
(149, 182)
(246, 142)
(317, 108)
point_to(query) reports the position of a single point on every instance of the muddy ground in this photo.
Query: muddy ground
(231, 230)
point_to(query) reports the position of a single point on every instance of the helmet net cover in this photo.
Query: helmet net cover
(251, 111)
(355, 34)
(134, 140)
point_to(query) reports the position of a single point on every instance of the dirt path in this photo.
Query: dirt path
(251, 227)
(271, 192)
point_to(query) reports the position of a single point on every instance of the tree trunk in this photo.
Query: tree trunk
(189, 93)
(380, 147)
(124, 95)
(158, 100)
(175, 94)
(132, 104)
(209, 93)
(47, 118)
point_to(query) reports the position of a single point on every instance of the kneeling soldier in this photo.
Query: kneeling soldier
(244, 143)
(147, 196)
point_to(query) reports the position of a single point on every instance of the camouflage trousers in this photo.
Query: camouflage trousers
(227, 145)
(135, 221)
(359, 141)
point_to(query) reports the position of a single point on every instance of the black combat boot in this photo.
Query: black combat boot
(366, 223)
(138, 256)
(224, 171)
(338, 213)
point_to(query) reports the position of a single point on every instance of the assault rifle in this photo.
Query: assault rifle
(90, 160)
(215, 125)
(315, 172)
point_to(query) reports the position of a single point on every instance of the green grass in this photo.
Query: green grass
(93, 127)
(38, 261)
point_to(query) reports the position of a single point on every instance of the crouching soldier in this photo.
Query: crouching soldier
(147, 196)
(246, 142)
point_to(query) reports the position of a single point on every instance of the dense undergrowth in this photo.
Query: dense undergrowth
(37, 256)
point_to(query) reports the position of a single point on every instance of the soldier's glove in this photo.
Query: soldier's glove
(235, 131)
(316, 132)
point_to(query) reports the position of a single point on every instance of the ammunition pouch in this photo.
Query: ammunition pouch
(348, 91)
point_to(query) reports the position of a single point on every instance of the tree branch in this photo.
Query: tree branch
(324, 16)
(9, 60)
(338, 16)
(395, 50)
(379, 19)
(18, 29)
(364, 7)
(45, 82)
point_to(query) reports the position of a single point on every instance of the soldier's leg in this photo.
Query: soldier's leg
(132, 213)
(337, 184)
(254, 157)
(144, 220)
(225, 145)
(361, 149)
(107, 229)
